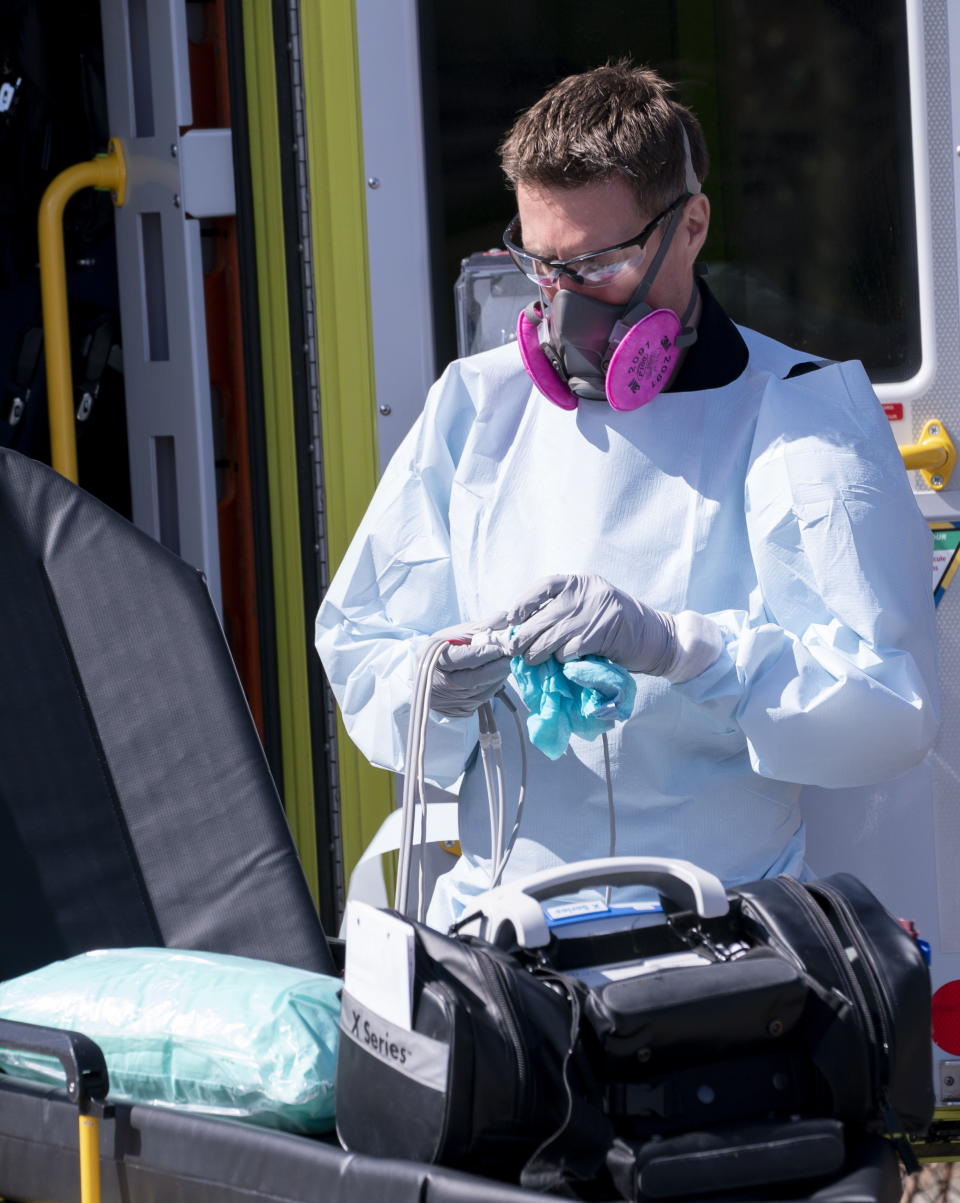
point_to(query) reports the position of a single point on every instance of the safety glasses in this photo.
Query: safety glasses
(592, 270)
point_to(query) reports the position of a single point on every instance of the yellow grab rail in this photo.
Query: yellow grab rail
(934, 456)
(107, 172)
(89, 1139)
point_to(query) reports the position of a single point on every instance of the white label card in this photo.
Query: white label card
(378, 970)
(599, 975)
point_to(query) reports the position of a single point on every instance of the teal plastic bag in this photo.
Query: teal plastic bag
(577, 697)
(202, 1032)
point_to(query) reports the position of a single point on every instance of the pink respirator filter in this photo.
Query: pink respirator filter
(538, 367)
(641, 365)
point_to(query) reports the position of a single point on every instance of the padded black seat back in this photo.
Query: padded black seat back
(136, 806)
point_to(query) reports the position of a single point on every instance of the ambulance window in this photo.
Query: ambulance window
(807, 115)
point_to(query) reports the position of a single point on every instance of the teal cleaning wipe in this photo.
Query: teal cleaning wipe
(202, 1032)
(579, 697)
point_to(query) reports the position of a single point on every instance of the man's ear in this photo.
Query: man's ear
(695, 225)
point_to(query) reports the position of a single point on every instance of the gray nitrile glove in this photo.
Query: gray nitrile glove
(466, 676)
(574, 616)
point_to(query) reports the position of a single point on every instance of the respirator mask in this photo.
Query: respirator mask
(575, 347)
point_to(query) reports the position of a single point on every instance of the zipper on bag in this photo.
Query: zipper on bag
(844, 970)
(449, 1006)
(494, 977)
(849, 921)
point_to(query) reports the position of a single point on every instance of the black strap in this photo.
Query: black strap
(903, 1146)
(808, 365)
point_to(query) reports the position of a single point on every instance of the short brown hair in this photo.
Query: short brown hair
(614, 120)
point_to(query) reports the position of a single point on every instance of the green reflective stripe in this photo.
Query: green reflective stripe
(292, 666)
(347, 394)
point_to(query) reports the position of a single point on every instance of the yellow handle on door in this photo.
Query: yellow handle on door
(108, 172)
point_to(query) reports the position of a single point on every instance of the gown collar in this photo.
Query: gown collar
(718, 356)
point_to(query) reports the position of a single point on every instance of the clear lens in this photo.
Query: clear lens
(601, 269)
(593, 271)
(540, 273)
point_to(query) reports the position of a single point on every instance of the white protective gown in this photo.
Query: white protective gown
(779, 507)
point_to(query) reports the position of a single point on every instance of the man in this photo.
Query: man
(641, 480)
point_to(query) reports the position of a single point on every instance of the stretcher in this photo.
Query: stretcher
(136, 808)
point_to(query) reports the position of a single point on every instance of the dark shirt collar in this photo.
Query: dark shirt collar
(718, 356)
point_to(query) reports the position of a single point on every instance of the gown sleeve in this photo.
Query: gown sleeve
(830, 670)
(395, 588)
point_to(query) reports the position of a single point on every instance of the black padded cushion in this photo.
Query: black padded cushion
(136, 805)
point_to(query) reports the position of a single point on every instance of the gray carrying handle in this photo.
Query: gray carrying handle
(518, 903)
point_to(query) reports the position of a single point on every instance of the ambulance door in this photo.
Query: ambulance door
(903, 838)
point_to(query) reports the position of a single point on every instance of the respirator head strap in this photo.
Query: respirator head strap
(688, 334)
(637, 308)
(692, 184)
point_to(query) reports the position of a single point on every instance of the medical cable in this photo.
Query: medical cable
(412, 782)
(611, 809)
(491, 753)
(414, 785)
(421, 793)
(408, 804)
(508, 702)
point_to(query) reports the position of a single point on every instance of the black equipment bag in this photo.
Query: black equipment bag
(801, 1023)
